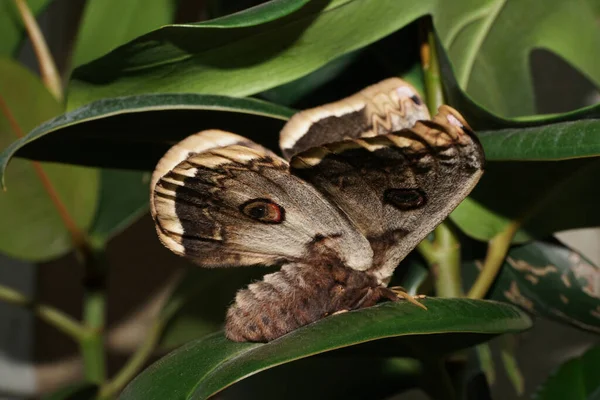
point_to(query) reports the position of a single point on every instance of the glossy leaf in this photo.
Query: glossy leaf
(242, 60)
(134, 132)
(576, 379)
(259, 14)
(491, 52)
(551, 142)
(207, 366)
(549, 196)
(482, 119)
(551, 280)
(12, 30)
(32, 228)
(490, 55)
(107, 24)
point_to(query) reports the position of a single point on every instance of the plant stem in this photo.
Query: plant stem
(447, 279)
(497, 249)
(136, 362)
(93, 258)
(431, 69)
(51, 315)
(444, 254)
(48, 70)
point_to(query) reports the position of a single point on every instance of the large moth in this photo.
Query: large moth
(364, 180)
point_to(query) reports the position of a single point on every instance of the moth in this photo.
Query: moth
(362, 182)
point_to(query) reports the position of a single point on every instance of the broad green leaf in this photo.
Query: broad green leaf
(106, 24)
(32, 227)
(483, 120)
(259, 14)
(123, 199)
(490, 47)
(293, 92)
(352, 72)
(206, 366)
(491, 56)
(134, 132)
(576, 379)
(552, 142)
(242, 60)
(551, 196)
(551, 280)
(12, 30)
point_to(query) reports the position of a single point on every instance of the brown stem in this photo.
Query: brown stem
(48, 71)
(77, 236)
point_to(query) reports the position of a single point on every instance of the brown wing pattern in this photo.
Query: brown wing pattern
(237, 205)
(397, 188)
(387, 106)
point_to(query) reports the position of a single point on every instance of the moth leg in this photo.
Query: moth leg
(370, 298)
(399, 291)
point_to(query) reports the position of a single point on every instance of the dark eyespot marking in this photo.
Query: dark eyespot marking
(263, 210)
(416, 99)
(405, 199)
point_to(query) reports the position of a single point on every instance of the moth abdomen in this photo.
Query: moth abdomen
(297, 295)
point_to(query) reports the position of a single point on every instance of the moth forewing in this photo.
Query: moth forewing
(390, 105)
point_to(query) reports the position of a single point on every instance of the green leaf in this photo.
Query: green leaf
(260, 14)
(549, 279)
(483, 120)
(12, 30)
(106, 24)
(207, 366)
(134, 132)
(549, 142)
(490, 55)
(243, 60)
(123, 199)
(240, 34)
(576, 379)
(32, 228)
(549, 196)
(490, 49)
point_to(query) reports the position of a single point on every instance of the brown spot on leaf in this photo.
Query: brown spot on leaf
(524, 266)
(564, 298)
(565, 279)
(514, 295)
(589, 276)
